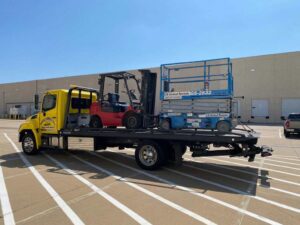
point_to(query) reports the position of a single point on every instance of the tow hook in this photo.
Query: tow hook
(266, 151)
(263, 150)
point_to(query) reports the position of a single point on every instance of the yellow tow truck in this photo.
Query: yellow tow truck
(43, 128)
(65, 113)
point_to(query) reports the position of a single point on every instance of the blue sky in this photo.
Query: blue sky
(52, 38)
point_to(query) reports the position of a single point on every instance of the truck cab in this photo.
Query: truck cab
(292, 124)
(59, 109)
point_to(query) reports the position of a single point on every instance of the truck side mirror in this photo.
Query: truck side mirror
(36, 101)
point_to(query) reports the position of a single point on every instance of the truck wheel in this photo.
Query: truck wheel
(175, 153)
(132, 121)
(29, 144)
(149, 155)
(286, 133)
(96, 122)
(223, 126)
(165, 124)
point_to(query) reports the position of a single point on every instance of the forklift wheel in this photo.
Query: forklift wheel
(132, 121)
(165, 124)
(223, 126)
(96, 122)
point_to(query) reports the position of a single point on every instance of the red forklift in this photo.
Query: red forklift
(135, 113)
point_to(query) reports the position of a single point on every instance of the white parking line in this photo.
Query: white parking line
(279, 132)
(267, 136)
(250, 166)
(239, 179)
(9, 159)
(291, 158)
(109, 198)
(48, 211)
(248, 172)
(149, 193)
(191, 191)
(270, 164)
(5, 204)
(222, 186)
(61, 203)
(237, 170)
(290, 163)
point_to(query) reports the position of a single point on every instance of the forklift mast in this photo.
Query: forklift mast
(148, 91)
(101, 83)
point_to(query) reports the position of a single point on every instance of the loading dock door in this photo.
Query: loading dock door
(290, 105)
(260, 108)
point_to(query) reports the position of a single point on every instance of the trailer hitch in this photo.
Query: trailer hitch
(263, 150)
(246, 151)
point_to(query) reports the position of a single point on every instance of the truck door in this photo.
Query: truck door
(48, 116)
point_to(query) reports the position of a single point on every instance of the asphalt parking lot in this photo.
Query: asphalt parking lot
(107, 187)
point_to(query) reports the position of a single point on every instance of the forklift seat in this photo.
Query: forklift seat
(113, 98)
(113, 105)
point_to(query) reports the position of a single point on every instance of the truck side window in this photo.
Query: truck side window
(49, 102)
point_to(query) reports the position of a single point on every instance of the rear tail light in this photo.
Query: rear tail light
(287, 124)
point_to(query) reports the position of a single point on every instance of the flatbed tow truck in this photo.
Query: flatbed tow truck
(64, 114)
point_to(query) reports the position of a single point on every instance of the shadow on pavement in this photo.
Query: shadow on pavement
(13, 161)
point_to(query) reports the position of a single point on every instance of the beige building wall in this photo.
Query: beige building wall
(269, 77)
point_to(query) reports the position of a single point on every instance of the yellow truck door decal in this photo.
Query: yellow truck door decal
(48, 124)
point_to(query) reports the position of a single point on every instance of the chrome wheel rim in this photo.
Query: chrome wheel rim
(28, 144)
(148, 155)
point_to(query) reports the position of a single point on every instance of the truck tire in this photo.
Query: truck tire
(149, 155)
(96, 122)
(286, 133)
(175, 153)
(29, 144)
(223, 126)
(132, 121)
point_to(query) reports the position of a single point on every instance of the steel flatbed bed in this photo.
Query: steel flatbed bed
(172, 144)
(201, 136)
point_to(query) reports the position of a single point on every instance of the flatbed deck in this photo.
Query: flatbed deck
(173, 143)
(201, 136)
